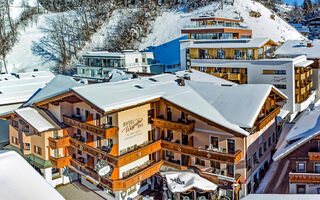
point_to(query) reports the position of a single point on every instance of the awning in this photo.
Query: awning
(183, 181)
(283, 113)
(84, 175)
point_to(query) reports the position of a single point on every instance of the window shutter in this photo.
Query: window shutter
(40, 151)
(34, 148)
(12, 138)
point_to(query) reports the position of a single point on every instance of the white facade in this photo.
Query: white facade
(97, 65)
(255, 74)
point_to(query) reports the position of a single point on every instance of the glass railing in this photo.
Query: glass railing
(215, 26)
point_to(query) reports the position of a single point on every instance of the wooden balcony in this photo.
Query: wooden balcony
(314, 155)
(104, 132)
(300, 76)
(60, 162)
(263, 122)
(202, 153)
(220, 179)
(303, 177)
(234, 77)
(185, 128)
(301, 90)
(121, 184)
(95, 152)
(60, 142)
(140, 152)
(219, 75)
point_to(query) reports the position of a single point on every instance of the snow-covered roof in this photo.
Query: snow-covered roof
(18, 88)
(35, 119)
(281, 197)
(18, 180)
(299, 47)
(183, 181)
(228, 43)
(224, 99)
(60, 84)
(306, 128)
(304, 63)
(103, 54)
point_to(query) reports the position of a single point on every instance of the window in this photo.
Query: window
(79, 152)
(132, 190)
(26, 128)
(214, 141)
(27, 146)
(255, 158)
(317, 167)
(231, 146)
(55, 172)
(260, 152)
(318, 190)
(109, 120)
(301, 166)
(265, 146)
(37, 150)
(169, 135)
(220, 54)
(137, 60)
(15, 140)
(301, 189)
(274, 137)
(200, 162)
(237, 54)
(230, 170)
(15, 124)
(143, 60)
(215, 165)
(249, 163)
(78, 112)
(55, 134)
(93, 73)
(269, 141)
(280, 86)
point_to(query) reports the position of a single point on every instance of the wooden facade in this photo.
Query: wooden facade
(303, 83)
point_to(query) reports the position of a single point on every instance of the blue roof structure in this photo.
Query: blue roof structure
(167, 54)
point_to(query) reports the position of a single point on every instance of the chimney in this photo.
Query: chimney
(309, 44)
(180, 81)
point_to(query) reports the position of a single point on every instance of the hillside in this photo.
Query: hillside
(165, 28)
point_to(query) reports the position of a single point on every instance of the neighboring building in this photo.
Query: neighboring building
(167, 54)
(16, 89)
(302, 151)
(19, 181)
(252, 61)
(118, 136)
(98, 65)
(281, 197)
(210, 27)
(314, 27)
(304, 30)
(311, 49)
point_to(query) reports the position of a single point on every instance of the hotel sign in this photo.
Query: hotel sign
(279, 80)
(132, 127)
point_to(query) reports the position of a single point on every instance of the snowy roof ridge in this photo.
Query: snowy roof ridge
(306, 128)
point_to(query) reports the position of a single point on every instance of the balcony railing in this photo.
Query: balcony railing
(201, 152)
(264, 121)
(304, 177)
(95, 152)
(60, 142)
(104, 132)
(314, 155)
(143, 172)
(300, 76)
(220, 75)
(228, 180)
(215, 26)
(234, 76)
(187, 128)
(60, 162)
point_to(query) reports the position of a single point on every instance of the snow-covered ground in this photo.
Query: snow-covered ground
(166, 27)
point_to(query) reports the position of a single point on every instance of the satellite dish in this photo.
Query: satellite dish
(104, 170)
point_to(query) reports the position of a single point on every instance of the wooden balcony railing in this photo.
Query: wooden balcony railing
(138, 153)
(95, 152)
(121, 184)
(314, 155)
(234, 77)
(60, 162)
(107, 132)
(202, 153)
(263, 122)
(303, 177)
(301, 90)
(300, 76)
(185, 128)
(219, 75)
(58, 143)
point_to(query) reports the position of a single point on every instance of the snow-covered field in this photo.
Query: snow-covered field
(166, 27)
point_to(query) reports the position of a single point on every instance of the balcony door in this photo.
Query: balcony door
(184, 139)
(231, 146)
(98, 120)
(169, 114)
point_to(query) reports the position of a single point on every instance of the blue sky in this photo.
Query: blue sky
(298, 1)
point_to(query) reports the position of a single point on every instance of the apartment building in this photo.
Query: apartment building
(300, 150)
(314, 27)
(211, 27)
(252, 61)
(116, 137)
(98, 65)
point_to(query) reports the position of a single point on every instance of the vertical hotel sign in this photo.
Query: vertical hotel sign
(132, 128)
